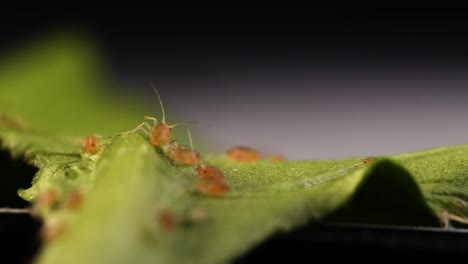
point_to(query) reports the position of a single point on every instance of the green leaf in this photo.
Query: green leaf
(129, 183)
(389, 195)
(442, 174)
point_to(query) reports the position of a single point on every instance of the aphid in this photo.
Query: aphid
(212, 186)
(210, 180)
(364, 162)
(52, 230)
(182, 155)
(45, 201)
(243, 154)
(160, 135)
(90, 144)
(209, 172)
(167, 220)
(74, 200)
(367, 161)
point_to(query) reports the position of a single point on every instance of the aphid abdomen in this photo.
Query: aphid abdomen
(160, 135)
(212, 186)
(188, 157)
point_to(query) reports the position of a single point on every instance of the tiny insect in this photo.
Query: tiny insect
(367, 161)
(167, 220)
(243, 154)
(45, 201)
(212, 186)
(210, 179)
(160, 135)
(74, 200)
(182, 155)
(52, 230)
(209, 172)
(90, 144)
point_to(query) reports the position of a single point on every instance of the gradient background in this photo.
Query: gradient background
(309, 81)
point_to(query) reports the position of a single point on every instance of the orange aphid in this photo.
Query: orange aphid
(209, 172)
(210, 180)
(243, 154)
(90, 144)
(74, 200)
(167, 220)
(160, 135)
(182, 155)
(46, 200)
(367, 161)
(52, 231)
(212, 186)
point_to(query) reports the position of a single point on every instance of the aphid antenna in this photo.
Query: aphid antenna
(164, 113)
(183, 123)
(193, 151)
(160, 103)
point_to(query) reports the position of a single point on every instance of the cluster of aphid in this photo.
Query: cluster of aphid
(55, 200)
(209, 179)
(52, 200)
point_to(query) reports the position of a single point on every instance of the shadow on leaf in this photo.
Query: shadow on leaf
(387, 195)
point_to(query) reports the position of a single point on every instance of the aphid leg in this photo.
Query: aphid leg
(147, 127)
(193, 152)
(183, 123)
(163, 120)
(160, 102)
(140, 127)
(155, 121)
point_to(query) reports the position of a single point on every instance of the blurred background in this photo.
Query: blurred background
(309, 81)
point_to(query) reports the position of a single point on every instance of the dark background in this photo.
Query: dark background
(310, 80)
